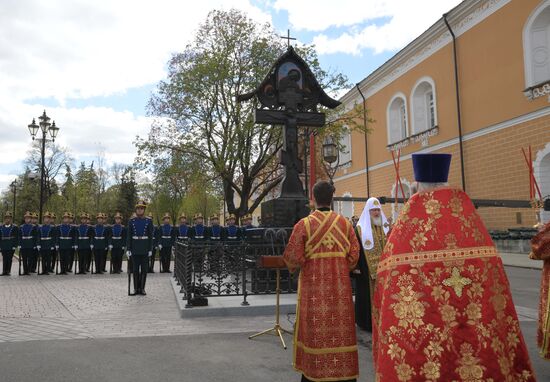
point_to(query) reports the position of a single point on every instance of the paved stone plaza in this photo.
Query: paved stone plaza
(86, 328)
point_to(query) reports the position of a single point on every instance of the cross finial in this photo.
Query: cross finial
(288, 38)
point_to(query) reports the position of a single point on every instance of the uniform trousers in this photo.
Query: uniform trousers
(165, 258)
(7, 258)
(26, 256)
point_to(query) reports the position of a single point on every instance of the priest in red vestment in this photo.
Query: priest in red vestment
(443, 310)
(541, 251)
(325, 248)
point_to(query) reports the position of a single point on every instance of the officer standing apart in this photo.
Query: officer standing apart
(27, 243)
(140, 246)
(165, 239)
(9, 241)
(117, 243)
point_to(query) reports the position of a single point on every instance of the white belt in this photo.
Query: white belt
(116, 237)
(166, 237)
(65, 238)
(99, 237)
(45, 238)
(199, 237)
(26, 237)
(215, 238)
(8, 238)
(183, 237)
(83, 238)
(232, 237)
(140, 237)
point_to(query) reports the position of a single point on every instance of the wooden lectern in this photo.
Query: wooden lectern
(277, 263)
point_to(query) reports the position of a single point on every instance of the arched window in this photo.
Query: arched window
(397, 119)
(423, 106)
(536, 46)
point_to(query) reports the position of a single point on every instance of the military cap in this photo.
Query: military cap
(99, 215)
(141, 203)
(182, 216)
(8, 214)
(197, 216)
(166, 216)
(83, 215)
(118, 215)
(28, 214)
(35, 215)
(214, 216)
(67, 215)
(247, 216)
(231, 216)
(47, 214)
(52, 215)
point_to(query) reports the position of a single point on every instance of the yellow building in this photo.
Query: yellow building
(503, 92)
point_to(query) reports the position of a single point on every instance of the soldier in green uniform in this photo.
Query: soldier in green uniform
(140, 246)
(66, 241)
(47, 243)
(9, 240)
(166, 236)
(34, 258)
(117, 243)
(27, 242)
(84, 243)
(100, 242)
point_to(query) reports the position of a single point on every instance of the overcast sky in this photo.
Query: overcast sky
(93, 63)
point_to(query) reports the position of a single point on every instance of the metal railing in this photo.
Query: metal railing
(216, 269)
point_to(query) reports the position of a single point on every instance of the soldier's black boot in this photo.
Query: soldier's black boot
(143, 280)
(137, 284)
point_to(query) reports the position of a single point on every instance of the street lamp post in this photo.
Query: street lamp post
(45, 126)
(331, 157)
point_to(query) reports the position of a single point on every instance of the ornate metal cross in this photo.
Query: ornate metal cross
(288, 38)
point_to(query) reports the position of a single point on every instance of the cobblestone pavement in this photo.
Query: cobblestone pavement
(98, 306)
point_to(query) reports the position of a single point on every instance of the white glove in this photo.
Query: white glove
(123, 248)
(75, 246)
(18, 247)
(13, 249)
(128, 253)
(38, 247)
(160, 246)
(56, 247)
(52, 248)
(91, 246)
(150, 254)
(110, 246)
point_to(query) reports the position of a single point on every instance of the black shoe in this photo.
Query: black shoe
(134, 294)
(63, 273)
(26, 274)
(99, 273)
(45, 273)
(3, 274)
(142, 292)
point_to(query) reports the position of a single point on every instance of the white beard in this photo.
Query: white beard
(377, 221)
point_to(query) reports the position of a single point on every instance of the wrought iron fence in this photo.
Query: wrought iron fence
(217, 269)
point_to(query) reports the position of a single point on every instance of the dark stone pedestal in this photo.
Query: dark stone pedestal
(284, 212)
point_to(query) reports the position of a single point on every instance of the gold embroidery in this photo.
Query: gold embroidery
(469, 370)
(430, 256)
(457, 282)
(409, 310)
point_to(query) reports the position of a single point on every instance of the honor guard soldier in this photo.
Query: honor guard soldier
(27, 242)
(74, 247)
(198, 232)
(107, 235)
(9, 240)
(247, 221)
(66, 241)
(34, 258)
(232, 231)
(215, 231)
(84, 244)
(99, 242)
(165, 239)
(140, 246)
(155, 245)
(183, 229)
(47, 243)
(53, 259)
(117, 243)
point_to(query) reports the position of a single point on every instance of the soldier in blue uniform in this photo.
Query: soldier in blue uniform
(232, 233)
(215, 231)
(100, 242)
(155, 244)
(9, 240)
(53, 254)
(34, 258)
(89, 259)
(74, 246)
(198, 232)
(247, 222)
(47, 243)
(66, 241)
(117, 243)
(140, 246)
(84, 244)
(183, 230)
(165, 239)
(27, 242)
(106, 250)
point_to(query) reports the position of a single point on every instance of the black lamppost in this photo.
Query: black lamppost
(13, 186)
(331, 157)
(45, 126)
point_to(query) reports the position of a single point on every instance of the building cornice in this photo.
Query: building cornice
(462, 18)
